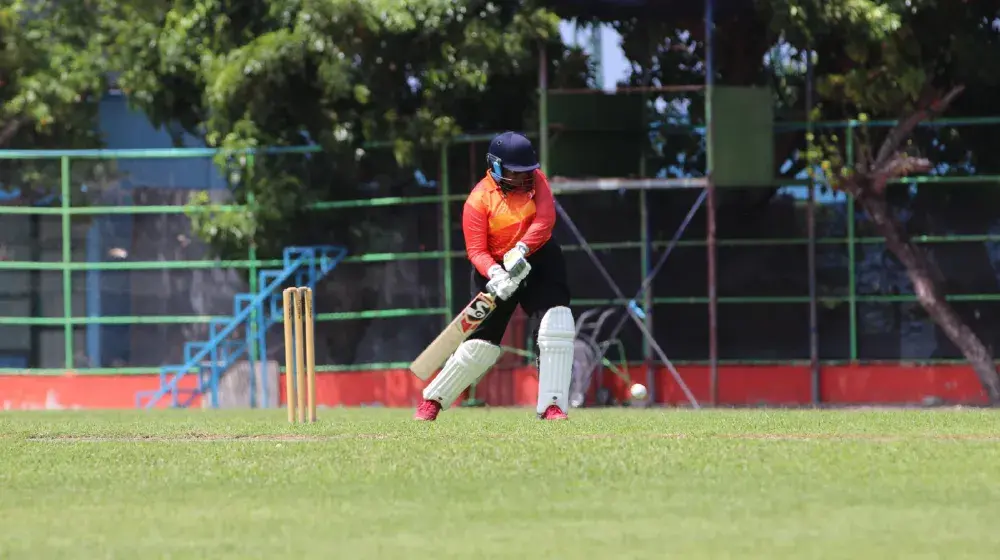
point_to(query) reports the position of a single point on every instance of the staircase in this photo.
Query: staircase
(254, 314)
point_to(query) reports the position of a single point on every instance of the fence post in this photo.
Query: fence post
(710, 239)
(67, 258)
(446, 231)
(256, 353)
(851, 282)
(543, 107)
(811, 229)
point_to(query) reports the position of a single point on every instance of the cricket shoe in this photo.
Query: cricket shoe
(553, 412)
(428, 410)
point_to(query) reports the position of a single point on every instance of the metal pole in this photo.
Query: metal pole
(67, 257)
(446, 231)
(648, 279)
(811, 230)
(95, 246)
(543, 130)
(645, 257)
(251, 203)
(474, 165)
(633, 313)
(852, 290)
(257, 353)
(446, 265)
(645, 253)
(713, 300)
(543, 108)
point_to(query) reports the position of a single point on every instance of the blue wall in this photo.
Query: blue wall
(123, 128)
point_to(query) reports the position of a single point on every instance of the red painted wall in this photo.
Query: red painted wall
(516, 386)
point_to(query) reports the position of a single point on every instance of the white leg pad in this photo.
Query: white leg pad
(555, 358)
(470, 362)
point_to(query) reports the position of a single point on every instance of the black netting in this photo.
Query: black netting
(761, 233)
(361, 341)
(893, 331)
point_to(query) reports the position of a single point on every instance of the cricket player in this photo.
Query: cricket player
(507, 221)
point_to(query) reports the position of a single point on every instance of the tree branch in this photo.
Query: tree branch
(905, 127)
(899, 167)
(925, 275)
(10, 129)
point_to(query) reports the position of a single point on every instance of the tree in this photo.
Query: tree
(338, 74)
(894, 60)
(885, 59)
(341, 76)
(53, 73)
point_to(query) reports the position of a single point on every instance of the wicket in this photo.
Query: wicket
(300, 354)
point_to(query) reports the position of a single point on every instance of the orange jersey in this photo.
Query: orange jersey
(494, 221)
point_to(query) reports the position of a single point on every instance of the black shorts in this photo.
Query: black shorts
(545, 287)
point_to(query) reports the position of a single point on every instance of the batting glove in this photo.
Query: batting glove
(516, 263)
(501, 284)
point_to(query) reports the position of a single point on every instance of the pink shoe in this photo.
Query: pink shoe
(553, 412)
(428, 410)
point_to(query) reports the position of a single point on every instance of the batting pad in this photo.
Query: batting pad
(555, 358)
(467, 364)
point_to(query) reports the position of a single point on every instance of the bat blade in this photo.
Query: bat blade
(453, 335)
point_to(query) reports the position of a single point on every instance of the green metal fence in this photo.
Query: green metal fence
(849, 299)
(53, 198)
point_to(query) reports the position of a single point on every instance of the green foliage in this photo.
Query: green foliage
(337, 73)
(53, 72)
(883, 56)
(343, 73)
(889, 58)
(226, 225)
(52, 68)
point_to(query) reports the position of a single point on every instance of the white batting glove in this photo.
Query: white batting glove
(516, 263)
(501, 284)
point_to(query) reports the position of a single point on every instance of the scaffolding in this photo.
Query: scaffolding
(616, 119)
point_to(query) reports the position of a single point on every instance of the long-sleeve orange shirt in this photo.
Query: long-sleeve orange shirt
(493, 221)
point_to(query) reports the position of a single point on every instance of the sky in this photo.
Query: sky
(615, 66)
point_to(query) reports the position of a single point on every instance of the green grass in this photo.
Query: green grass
(370, 483)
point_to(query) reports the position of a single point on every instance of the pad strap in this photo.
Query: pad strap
(470, 362)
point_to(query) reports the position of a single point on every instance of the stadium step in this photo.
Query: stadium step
(253, 314)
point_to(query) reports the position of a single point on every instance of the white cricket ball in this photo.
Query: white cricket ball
(638, 391)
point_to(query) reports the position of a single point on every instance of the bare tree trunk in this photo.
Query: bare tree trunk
(922, 273)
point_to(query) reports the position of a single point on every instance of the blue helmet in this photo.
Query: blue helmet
(512, 160)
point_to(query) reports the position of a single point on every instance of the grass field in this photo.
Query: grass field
(481, 483)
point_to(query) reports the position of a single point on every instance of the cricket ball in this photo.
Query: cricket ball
(638, 391)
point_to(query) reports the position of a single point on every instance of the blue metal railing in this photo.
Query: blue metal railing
(304, 266)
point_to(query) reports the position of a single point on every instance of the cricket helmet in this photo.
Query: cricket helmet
(512, 162)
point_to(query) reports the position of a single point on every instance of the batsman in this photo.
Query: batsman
(507, 222)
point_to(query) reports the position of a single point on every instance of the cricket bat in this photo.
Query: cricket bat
(453, 335)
